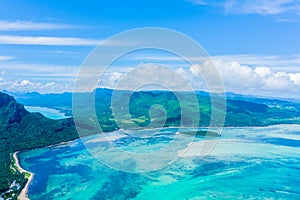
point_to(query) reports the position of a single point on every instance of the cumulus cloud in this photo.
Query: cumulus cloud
(25, 85)
(262, 71)
(295, 78)
(278, 63)
(21, 77)
(110, 80)
(242, 78)
(257, 80)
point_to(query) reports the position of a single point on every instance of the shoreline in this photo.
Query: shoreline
(23, 195)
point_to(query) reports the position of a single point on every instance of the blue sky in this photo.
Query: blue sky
(43, 43)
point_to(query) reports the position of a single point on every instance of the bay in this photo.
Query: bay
(47, 112)
(246, 163)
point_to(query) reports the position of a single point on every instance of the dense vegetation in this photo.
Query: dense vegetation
(241, 110)
(21, 130)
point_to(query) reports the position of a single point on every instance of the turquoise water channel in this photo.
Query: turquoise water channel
(247, 163)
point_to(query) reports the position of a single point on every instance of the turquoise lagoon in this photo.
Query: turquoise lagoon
(246, 163)
(47, 112)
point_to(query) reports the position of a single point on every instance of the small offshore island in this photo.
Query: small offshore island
(22, 130)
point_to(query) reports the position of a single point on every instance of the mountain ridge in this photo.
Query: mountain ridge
(22, 130)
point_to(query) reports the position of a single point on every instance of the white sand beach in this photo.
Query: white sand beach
(23, 194)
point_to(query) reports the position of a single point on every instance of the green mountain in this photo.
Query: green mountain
(22, 130)
(241, 110)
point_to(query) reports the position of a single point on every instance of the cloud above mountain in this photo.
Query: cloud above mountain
(246, 74)
(258, 80)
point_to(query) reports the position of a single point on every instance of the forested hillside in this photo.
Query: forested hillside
(22, 130)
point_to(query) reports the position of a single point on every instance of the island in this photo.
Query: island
(21, 130)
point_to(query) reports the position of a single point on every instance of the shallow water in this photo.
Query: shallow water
(47, 112)
(247, 163)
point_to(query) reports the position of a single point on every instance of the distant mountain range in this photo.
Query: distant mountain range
(22, 130)
(242, 110)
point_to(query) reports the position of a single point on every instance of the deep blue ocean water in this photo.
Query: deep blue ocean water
(246, 163)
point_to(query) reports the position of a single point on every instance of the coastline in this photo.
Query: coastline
(23, 195)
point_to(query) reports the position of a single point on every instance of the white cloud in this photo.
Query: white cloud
(277, 82)
(261, 77)
(110, 80)
(40, 40)
(50, 84)
(260, 7)
(25, 85)
(22, 77)
(236, 76)
(29, 25)
(5, 58)
(262, 71)
(289, 63)
(258, 80)
(295, 78)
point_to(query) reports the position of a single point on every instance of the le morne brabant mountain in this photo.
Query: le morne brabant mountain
(21, 130)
